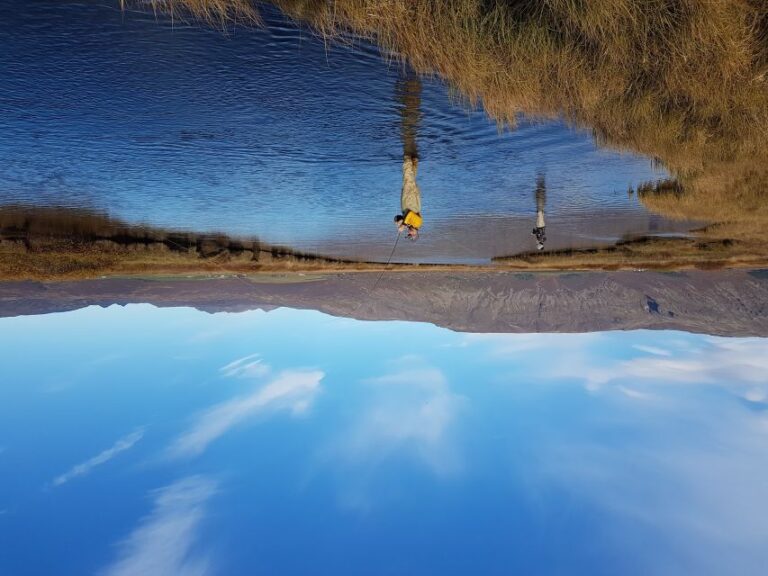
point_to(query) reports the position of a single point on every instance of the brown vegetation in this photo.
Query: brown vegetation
(646, 254)
(48, 243)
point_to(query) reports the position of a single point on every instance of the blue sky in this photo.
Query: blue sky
(141, 440)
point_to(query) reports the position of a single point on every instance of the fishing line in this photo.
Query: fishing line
(381, 274)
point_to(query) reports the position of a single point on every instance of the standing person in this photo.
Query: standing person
(541, 200)
(409, 94)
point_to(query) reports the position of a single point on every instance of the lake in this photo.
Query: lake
(276, 134)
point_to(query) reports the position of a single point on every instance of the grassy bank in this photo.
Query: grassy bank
(50, 243)
(65, 260)
(732, 196)
(57, 244)
(646, 254)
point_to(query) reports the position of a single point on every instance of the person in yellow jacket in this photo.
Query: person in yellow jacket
(410, 220)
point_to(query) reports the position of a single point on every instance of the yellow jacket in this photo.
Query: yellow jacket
(413, 219)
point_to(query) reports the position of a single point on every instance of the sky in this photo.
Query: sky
(141, 440)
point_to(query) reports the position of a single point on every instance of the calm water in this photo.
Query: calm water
(271, 132)
(259, 443)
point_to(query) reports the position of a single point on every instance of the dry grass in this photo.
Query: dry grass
(220, 13)
(682, 80)
(647, 254)
(732, 197)
(50, 243)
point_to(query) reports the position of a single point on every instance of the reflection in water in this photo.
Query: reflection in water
(410, 219)
(408, 90)
(541, 201)
(466, 453)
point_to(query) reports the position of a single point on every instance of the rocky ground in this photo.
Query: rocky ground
(723, 303)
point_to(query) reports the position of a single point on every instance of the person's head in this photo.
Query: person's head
(412, 232)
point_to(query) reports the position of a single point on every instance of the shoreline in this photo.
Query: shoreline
(89, 260)
(55, 244)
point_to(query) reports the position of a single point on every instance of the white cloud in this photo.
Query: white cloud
(164, 543)
(652, 350)
(292, 390)
(84, 468)
(634, 394)
(692, 473)
(204, 336)
(247, 367)
(412, 410)
(540, 357)
(703, 495)
(756, 394)
(502, 345)
(739, 364)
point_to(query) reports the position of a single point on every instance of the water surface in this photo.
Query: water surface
(274, 133)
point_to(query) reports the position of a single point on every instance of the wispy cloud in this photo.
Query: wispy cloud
(164, 542)
(740, 365)
(411, 410)
(652, 350)
(634, 394)
(292, 390)
(532, 354)
(84, 468)
(204, 336)
(703, 499)
(505, 345)
(247, 367)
